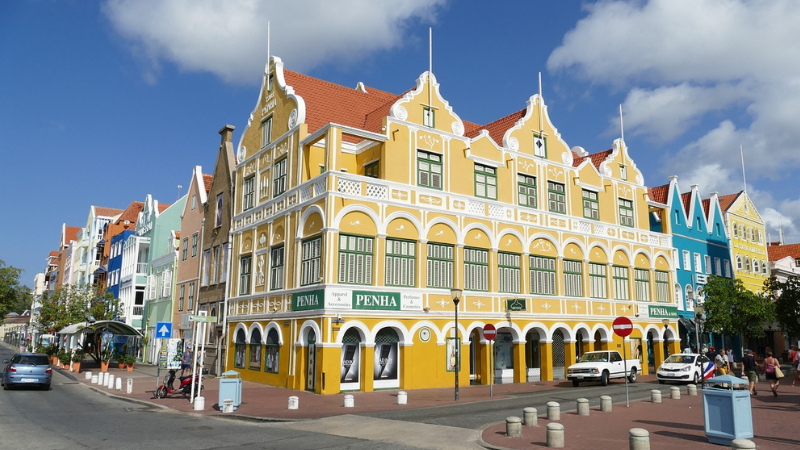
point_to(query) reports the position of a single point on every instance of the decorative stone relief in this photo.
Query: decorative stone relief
(513, 144)
(262, 239)
(241, 154)
(625, 191)
(399, 112)
(282, 148)
(458, 128)
(555, 173)
(260, 279)
(400, 195)
(543, 245)
(292, 119)
(428, 139)
(566, 158)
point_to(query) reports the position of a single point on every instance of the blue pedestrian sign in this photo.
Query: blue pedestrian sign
(164, 330)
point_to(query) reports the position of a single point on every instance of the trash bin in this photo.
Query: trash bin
(727, 410)
(230, 387)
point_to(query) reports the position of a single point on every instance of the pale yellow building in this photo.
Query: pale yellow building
(747, 240)
(357, 211)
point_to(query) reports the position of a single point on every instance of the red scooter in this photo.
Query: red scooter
(185, 387)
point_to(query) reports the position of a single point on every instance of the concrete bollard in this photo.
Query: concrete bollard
(583, 407)
(691, 389)
(513, 427)
(294, 402)
(110, 383)
(130, 386)
(349, 401)
(402, 397)
(199, 403)
(531, 417)
(742, 444)
(119, 383)
(605, 403)
(655, 396)
(88, 375)
(553, 411)
(104, 381)
(555, 435)
(94, 379)
(675, 393)
(638, 439)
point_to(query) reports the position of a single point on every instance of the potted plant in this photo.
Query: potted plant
(76, 361)
(121, 359)
(130, 360)
(64, 358)
(105, 357)
(52, 352)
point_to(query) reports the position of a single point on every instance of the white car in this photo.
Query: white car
(683, 367)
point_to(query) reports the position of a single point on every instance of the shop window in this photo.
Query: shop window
(255, 351)
(240, 349)
(272, 360)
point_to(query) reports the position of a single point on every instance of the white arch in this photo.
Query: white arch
(366, 335)
(605, 333)
(510, 231)
(547, 238)
(541, 329)
(255, 326)
(569, 336)
(273, 326)
(443, 221)
(447, 331)
(584, 330)
(404, 335)
(485, 229)
(622, 249)
(516, 333)
(301, 224)
(646, 253)
(379, 227)
(242, 327)
(403, 215)
(427, 323)
(602, 246)
(302, 341)
(667, 258)
(581, 245)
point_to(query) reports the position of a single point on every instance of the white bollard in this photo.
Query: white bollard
(655, 396)
(742, 444)
(130, 385)
(89, 375)
(94, 379)
(605, 403)
(583, 407)
(402, 397)
(199, 403)
(119, 384)
(553, 411)
(349, 402)
(531, 417)
(513, 427)
(638, 439)
(294, 402)
(691, 389)
(555, 435)
(105, 379)
(110, 384)
(675, 393)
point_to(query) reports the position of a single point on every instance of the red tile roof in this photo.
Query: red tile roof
(595, 158)
(659, 194)
(498, 128)
(106, 212)
(706, 202)
(207, 181)
(53, 253)
(71, 234)
(131, 213)
(163, 207)
(778, 252)
(686, 198)
(725, 201)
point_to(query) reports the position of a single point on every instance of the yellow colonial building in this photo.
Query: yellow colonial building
(747, 240)
(357, 211)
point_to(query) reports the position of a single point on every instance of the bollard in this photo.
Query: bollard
(294, 402)
(513, 427)
(199, 403)
(583, 407)
(227, 405)
(130, 386)
(402, 397)
(605, 403)
(638, 439)
(555, 435)
(89, 375)
(105, 378)
(349, 402)
(553, 411)
(531, 417)
(675, 393)
(94, 379)
(691, 389)
(742, 444)
(119, 383)
(110, 382)
(655, 396)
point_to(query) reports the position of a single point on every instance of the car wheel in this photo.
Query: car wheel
(696, 378)
(575, 383)
(661, 381)
(604, 378)
(632, 377)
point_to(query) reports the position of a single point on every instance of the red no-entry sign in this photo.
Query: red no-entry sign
(622, 326)
(489, 332)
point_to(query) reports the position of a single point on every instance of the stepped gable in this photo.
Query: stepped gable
(659, 194)
(328, 102)
(778, 252)
(686, 199)
(207, 179)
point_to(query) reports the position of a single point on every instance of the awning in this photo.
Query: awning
(101, 270)
(689, 324)
(114, 327)
(74, 328)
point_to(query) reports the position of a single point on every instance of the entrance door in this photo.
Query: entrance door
(350, 377)
(533, 360)
(311, 379)
(474, 342)
(386, 372)
(559, 356)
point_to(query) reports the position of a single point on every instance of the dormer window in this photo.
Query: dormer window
(623, 172)
(269, 82)
(539, 145)
(266, 132)
(428, 117)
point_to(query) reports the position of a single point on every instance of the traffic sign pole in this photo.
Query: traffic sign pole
(489, 333)
(623, 327)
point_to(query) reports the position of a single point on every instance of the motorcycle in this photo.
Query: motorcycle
(185, 387)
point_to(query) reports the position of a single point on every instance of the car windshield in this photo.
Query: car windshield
(595, 357)
(680, 359)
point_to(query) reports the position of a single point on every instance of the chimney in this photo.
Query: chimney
(227, 134)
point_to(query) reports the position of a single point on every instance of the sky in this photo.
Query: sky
(104, 102)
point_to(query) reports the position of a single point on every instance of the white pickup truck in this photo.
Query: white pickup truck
(602, 366)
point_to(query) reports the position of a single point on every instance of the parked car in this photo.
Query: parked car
(684, 367)
(603, 366)
(27, 369)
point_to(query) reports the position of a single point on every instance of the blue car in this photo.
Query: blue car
(27, 369)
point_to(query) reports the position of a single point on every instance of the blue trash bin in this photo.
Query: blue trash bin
(230, 387)
(726, 409)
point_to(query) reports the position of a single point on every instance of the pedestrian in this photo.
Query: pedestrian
(796, 365)
(186, 360)
(750, 368)
(771, 368)
(731, 360)
(721, 362)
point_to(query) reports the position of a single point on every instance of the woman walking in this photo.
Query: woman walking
(770, 369)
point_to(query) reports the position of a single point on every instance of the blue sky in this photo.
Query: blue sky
(102, 103)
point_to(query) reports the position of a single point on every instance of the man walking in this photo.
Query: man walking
(750, 368)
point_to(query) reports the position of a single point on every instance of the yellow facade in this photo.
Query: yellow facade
(748, 242)
(348, 240)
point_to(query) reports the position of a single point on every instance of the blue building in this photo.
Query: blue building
(701, 249)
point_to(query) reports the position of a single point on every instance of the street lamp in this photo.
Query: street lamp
(456, 294)
(666, 327)
(699, 318)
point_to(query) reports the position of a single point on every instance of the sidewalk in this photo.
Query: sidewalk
(672, 424)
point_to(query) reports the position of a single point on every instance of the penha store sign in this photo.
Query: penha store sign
(361, 300)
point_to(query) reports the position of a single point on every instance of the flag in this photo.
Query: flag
(709, 370)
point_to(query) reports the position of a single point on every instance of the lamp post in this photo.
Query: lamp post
(456, 294)
(699, 318)
(666, 345)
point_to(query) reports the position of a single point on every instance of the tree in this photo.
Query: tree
(732, 309)
(71, 304)
(14, 297)
(786, 296)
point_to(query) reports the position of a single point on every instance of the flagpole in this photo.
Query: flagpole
(744, 178)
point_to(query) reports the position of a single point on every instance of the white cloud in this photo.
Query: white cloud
(229, 38)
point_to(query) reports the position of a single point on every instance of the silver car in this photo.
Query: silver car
(27, 369)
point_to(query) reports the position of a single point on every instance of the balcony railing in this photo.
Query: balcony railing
(138, 310)
(141, 267)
